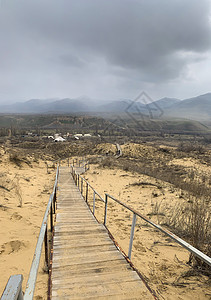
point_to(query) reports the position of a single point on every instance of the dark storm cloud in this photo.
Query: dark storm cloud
(148, 40)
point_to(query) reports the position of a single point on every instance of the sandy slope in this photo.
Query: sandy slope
(20, 223)
(160, 260)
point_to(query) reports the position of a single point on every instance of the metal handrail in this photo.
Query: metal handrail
(91, 187)
(30, 287)
(174, 237)
(76, 178)
(13, 290)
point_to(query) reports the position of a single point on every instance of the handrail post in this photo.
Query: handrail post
(54, 201)
(93, 203)
(132, 235)
(78, 181)
(87, 188)
(81, 186)
(51, 216)
(105, 212)
(46, 248)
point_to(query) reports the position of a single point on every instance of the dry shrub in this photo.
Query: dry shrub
(107, 162)
(15, 158)
(191, 147)
(143, 183)
(18, 190)
(193, 222)
(4, 182)
(200, 228)
(18, 159)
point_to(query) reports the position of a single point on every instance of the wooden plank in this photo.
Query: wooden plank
(88, 269)
(130, 288)
(73, 232)
(114, 296)
(78, 226)
(86, 248)
(69, 255)
(75, 244)
(70, 258)
(69, 262)
(115, 277)
(95, 265)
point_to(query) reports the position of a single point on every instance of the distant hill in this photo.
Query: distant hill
(166, 102)
(197, 108)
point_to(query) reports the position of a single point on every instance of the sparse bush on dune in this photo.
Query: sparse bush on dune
(18, 159)
(15, 158)
(107, 162)
(193, 222)
(191, 147)
(17, 187)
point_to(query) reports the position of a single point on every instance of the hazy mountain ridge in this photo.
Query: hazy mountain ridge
(197, 108)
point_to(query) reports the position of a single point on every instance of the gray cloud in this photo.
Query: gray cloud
(74, 47)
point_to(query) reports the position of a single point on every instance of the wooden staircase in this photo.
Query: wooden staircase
(86, 264)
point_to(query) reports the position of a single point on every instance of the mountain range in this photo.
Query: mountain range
(197, 108)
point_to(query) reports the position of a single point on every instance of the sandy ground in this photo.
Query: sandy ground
(161, 261)
(24, 193)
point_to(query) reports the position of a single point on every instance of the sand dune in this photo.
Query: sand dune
(24, 193)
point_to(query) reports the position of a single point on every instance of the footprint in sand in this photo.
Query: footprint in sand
(16, 216)
(12, 246)
(139, 246)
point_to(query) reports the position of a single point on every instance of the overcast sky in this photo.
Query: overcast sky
(104, 49)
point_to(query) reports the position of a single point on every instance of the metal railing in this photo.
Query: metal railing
(13, 288)
(119, 151)
(79, 162)
(79, 180)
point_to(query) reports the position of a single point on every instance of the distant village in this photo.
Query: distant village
(58, 137)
